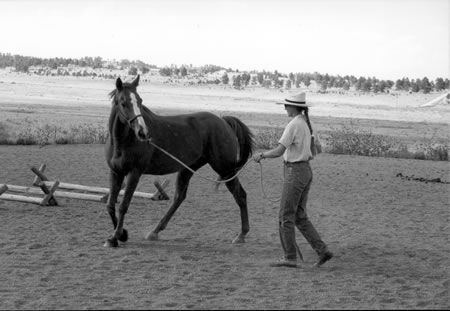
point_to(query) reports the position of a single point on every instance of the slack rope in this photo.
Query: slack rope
(217, 182)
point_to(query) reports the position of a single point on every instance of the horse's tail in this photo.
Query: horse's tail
(245, 138)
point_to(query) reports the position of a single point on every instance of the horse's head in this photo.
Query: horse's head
(128, 104)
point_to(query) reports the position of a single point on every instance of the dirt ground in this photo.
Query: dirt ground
(389, 235)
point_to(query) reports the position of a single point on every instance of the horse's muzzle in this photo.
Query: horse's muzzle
(141, 133)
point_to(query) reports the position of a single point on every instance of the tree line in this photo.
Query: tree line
(325, 82)
(23, 63)
(239, 79)
(276, 79)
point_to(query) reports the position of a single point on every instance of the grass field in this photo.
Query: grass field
(52, 108)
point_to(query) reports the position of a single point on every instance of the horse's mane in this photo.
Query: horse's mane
(112, 93)
(126, 85)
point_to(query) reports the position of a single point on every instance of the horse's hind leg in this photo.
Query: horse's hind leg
(120, 233)
(240, 196)
(182, 184)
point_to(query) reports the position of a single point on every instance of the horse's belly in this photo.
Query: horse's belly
(162, 169)
(119, 164)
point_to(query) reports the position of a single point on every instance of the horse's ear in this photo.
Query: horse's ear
(119, 85)
(135, 82)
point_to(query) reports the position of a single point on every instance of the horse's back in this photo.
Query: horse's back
(204, 125)
(196, 120)
(213, 135)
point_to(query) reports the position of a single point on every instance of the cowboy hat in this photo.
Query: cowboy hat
(298, 100)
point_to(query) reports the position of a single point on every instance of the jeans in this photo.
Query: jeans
(297, 182)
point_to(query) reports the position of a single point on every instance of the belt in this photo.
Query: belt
(297, 162)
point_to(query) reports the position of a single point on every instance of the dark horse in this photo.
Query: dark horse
(196, 139)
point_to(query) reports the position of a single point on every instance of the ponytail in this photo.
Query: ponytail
(307, 120)
(316, 148)
(304, 111)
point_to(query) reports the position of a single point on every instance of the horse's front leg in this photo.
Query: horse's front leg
(120, 233)
(115, 183)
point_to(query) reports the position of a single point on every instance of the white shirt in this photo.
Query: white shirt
(296, 139)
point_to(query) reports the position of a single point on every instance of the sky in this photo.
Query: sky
(386, 39)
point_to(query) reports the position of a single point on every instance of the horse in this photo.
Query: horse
(196, 139)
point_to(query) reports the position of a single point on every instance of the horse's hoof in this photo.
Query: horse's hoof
(239, 239)
(112, 242)
(124, 236)
(152, 236)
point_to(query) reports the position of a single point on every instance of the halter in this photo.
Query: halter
(133, 119)
(125, 117)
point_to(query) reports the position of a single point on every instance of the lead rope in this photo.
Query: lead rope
(216, 181)
(194, 172)
(262, 186)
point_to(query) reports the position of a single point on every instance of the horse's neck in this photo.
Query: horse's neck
(150, 115)
(153, 121)
(112, 120)
(121, 133)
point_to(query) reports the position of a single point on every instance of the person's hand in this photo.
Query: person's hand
(258, 157)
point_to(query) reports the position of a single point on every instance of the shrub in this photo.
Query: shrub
(419, 155)
(4, 136)
(61, 141)
(438, 152)
(26, 141)
(350, 139)
(401, 151)
(46, 134)
(81, 134)
(433, 151)
(26, 137)
(89, 134)
(267, 138)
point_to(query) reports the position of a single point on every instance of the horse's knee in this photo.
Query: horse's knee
(110, 208)
(241, 193)
(237, 190)
(180, 196)
(123, 208)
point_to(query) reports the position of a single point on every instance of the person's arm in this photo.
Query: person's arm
(273, 153)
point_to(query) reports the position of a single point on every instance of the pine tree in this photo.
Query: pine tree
(288, 84)
(260, 78)
(439, 85)
(414, 86)
(132, 71)
(425, 85)
(225, 78)
(237, 82)
(183, 71)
